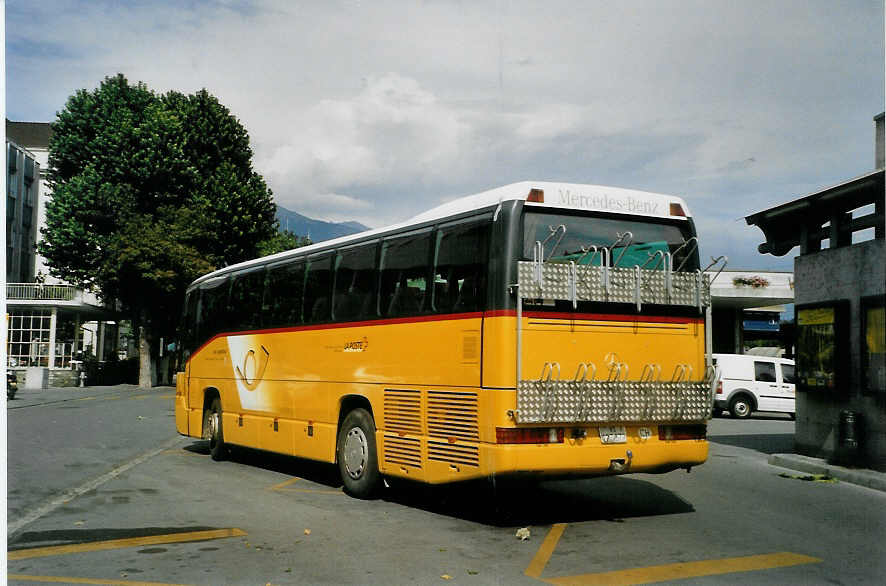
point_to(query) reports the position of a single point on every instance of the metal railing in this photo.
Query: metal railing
(41, 292)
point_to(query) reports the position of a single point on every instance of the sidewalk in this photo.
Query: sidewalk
(859, 476)
(30, 397)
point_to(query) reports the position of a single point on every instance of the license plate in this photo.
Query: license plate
(613, 435)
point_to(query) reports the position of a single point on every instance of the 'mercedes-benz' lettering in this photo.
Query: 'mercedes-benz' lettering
(627, 204)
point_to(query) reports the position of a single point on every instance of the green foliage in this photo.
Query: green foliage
(282, 241)
(149, 192)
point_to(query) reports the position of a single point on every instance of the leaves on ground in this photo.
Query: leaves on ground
(810, 477)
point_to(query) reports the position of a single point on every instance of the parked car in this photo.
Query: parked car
(754, 383)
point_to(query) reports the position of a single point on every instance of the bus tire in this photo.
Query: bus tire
(741, 407)
(356, 455)
(215, 432)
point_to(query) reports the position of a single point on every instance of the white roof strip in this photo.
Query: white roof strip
(597, 198)
(573, 196)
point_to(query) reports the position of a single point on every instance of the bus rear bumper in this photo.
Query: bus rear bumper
(575, 458)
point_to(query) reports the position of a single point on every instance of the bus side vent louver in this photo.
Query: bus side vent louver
(468, 455)
(453, 415)
(453, 428)
(402, 412)
(402, 427)
(405, 451)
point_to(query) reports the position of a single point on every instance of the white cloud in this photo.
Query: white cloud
(376, 111)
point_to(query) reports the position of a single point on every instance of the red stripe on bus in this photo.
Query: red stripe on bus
(348, 324)
(468, 315)
(658, 319)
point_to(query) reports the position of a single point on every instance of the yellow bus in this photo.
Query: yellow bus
(539, 329)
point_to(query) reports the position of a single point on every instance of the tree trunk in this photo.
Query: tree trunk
(147, 376)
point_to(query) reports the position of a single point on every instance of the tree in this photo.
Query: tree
(282, 241)
(149, 192)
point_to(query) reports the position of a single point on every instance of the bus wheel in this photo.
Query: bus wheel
(356, 455)
(740, 407)
(213, 423)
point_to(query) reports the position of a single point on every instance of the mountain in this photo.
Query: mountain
(316, 230)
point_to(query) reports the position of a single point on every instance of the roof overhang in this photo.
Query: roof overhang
(784, 225)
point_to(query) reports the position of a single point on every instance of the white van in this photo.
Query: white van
(754, 383)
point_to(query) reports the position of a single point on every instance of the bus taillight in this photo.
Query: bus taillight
(720, 387)
(533, 435)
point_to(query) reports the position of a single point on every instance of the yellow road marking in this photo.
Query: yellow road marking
(284, 484)
(313, 491)
(36, 552)
(538, 563)
(72, 580)
(685, 570)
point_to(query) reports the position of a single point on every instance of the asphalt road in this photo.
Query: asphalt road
(102, 490)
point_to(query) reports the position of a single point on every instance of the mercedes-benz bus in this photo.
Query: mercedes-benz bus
(537, 329)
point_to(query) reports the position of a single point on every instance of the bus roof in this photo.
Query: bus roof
(544, 194)
(575, 196)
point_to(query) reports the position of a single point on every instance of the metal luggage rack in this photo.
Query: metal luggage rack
(655, 281)
(615, 399)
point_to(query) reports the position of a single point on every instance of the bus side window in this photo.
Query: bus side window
(404, 275)
(282, 304)
(318, 289)
(460, 267)
(187, 336)
(355, 273)
(211, 313)
(245, 305)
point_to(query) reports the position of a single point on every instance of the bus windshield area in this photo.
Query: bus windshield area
(629, 242)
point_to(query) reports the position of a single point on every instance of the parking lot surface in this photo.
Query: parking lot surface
(121, 499)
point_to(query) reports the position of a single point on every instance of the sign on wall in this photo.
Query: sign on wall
(822, 347)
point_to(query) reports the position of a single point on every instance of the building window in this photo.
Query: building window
(873, 344)
(28, 343)
(822, 347)
(65, 340)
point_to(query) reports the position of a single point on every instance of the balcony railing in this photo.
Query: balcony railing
(40, 292)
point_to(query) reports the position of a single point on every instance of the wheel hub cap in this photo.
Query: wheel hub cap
(354, 453)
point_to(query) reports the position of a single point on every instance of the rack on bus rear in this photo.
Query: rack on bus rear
(614, 399)
(594, 275)
(636, 285)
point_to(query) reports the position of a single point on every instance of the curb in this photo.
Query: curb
(862, 477)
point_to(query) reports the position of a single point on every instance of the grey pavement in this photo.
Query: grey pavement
(817, 466)
(805, 464)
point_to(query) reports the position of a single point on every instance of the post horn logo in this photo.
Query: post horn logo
(253, 369)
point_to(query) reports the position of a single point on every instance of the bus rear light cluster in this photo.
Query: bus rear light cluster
(720, 387)
(528, 435)
(677, 210)
(536, 196)
(682, 432)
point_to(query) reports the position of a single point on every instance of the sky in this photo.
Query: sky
(375, 111)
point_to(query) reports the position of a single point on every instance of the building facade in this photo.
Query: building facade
(840, 291)
(22, 183)
(51, 325)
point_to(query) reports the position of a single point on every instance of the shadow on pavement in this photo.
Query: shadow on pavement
(773, 443)
(497, 502)
(31, 539)
(519, 503)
